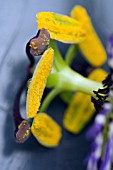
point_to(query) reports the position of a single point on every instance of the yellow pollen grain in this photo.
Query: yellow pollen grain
(61, 27)
(26, 134)
(33, 45)
(46, 130)
(92, 47)
(79, 113)
(38, 83)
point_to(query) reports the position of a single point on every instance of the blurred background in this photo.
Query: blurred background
(17, 26)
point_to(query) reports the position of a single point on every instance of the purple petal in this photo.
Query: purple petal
(110, 52)
(95, 153)
(93, 131)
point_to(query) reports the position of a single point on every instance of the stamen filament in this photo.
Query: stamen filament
(58, 61)
(49, 98)
(71, 53)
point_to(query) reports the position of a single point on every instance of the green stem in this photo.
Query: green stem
(58, 61)
(72, 51)
(105, 132)
(69, 80)
(105, 136)
(49, 98)
(66, 96)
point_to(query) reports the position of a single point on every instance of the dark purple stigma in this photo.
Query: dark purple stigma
(40, 43)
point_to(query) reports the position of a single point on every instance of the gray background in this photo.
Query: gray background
(17, 26)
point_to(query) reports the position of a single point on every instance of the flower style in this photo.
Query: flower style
(53, 72)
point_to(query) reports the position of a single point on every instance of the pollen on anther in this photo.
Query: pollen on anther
(38, 83)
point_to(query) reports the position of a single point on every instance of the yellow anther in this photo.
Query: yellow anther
(38, 83)
(81, 109)
(92, 47)
(46, 130)
(61, 27)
